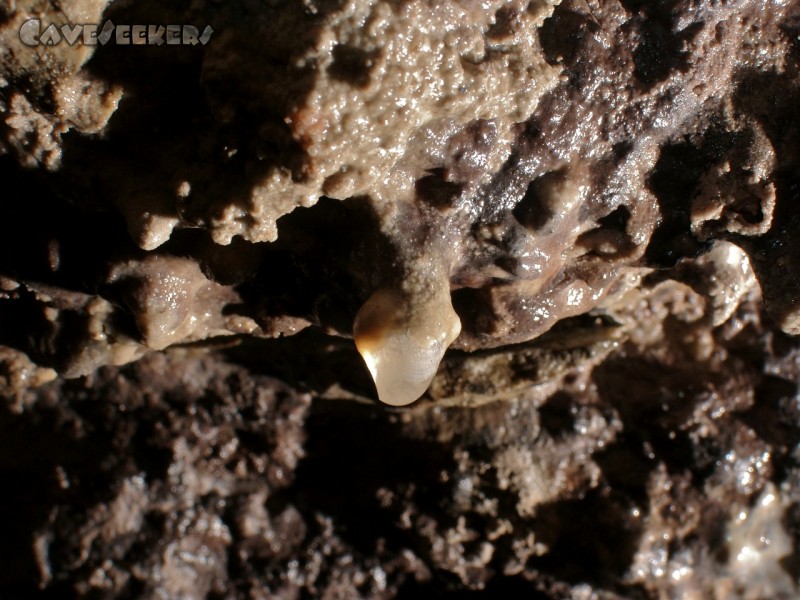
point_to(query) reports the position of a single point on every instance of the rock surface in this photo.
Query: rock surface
(605, 189)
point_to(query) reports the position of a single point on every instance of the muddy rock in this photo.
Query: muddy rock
(567, 227)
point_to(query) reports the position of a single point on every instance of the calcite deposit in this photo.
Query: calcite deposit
(562, 233)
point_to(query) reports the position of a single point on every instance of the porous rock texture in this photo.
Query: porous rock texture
(605, 187)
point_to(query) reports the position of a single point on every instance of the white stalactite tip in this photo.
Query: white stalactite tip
(403, 338)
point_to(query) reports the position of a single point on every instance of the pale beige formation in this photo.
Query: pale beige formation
(403, 337)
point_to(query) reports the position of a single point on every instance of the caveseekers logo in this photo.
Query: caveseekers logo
(33, 33)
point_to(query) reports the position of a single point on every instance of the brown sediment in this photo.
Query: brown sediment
(604, 192)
